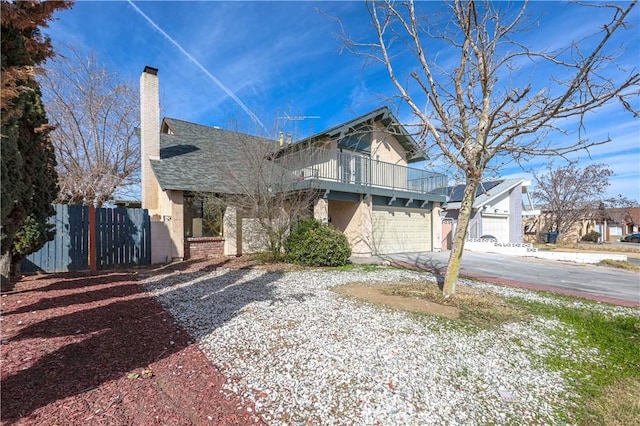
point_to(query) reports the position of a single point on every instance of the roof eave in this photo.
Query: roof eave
(383, 115)
(498, 194)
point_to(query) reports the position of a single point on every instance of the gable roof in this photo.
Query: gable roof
(382, 115)
(199, 158)
(485, 193)
(623, 215)
(190, 154)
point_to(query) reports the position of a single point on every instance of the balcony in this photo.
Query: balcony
(332, 169)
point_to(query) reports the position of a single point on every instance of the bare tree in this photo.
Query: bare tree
(616, 209)
(474, 107)
(569, 195)
(620, 202)
(266, 191)
(96, 114)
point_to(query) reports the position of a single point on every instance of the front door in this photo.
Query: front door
(352, 167)
(447, 234)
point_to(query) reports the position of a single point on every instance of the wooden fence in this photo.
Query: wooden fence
(89, 238)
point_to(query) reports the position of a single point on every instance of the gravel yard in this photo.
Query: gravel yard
(96, 349)
(302, 354)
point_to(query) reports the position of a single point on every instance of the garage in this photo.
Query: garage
(401, 230)
(496, 226)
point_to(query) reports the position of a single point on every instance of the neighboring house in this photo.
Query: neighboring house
(576, 224)
(498, 210)
(358, 171)
(611, 224)
(618, 222)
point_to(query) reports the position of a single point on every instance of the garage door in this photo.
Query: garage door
(496, 226)
(398, 230)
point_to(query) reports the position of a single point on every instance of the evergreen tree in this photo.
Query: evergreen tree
(29, 180)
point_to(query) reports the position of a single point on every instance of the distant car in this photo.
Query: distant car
(631, 238)
(488, 237)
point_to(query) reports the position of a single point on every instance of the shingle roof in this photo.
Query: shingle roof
(204, 159)
(200, 158)
(622, 215)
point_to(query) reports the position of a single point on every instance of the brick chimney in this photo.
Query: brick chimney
(149, 136)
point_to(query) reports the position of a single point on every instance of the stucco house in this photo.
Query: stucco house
(358, 171)
(498, 210)
(618, 222)
(612, 224)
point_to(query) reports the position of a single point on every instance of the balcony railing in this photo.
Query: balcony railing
(347, 168)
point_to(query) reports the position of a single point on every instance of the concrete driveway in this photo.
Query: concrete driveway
(588, 281)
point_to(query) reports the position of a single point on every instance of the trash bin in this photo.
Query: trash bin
(552, 237)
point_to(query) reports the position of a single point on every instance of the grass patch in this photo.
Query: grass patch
(543, 247)
(349, 267)
(476, 307)
(620, 264)
(597, 351)
(619, 404)
(263, 258)
(589, 247)
(600, 247)
(613, 374)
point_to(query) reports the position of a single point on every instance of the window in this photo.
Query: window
(357, 140)
(203, 216)
(530, 228)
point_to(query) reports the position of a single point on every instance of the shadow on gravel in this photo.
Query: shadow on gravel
(421, 262)
(74, 340)
(204, 302)
(193, 266)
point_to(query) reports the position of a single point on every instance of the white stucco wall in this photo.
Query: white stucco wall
(165, 207)
(436, 229)
(385, 147)
(230, 229)
(501, 204)
(354, 219)
(150, 139)
(171, 215)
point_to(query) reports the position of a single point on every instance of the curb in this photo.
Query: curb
(518, 284)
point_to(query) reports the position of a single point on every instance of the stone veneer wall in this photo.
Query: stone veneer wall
(198, 248)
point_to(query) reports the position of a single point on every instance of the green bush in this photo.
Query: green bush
(312, 243)
(591, 236)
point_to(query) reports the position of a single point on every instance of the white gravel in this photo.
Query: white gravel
(306, 355)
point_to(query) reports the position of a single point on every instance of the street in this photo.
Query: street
(589, 281)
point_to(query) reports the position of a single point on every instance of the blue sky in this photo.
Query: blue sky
(272, 59)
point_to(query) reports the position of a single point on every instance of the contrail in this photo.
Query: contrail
(199, 65)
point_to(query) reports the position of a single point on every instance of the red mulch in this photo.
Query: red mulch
(84, 348)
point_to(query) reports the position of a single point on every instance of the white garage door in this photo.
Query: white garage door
(615, 231)
(398, 230)
(496, 226)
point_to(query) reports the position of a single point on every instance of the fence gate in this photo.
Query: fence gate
(118, 237)
(122, 237)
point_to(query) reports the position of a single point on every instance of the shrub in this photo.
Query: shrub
(312, 243)
(592, 236)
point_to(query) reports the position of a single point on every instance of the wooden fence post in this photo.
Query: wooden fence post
(93, 235)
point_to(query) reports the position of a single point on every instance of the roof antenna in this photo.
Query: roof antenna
(297, 118)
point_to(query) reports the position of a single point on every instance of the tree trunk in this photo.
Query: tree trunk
(455, 258)
(5, 269)
(16, 268)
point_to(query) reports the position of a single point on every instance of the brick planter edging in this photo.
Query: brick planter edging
(202, 247)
